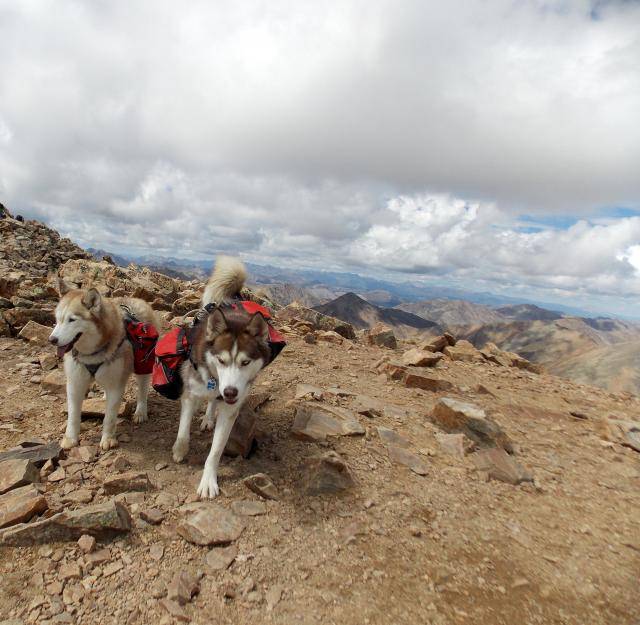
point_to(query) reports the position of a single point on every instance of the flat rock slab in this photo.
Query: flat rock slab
(183, 586)
(17, 472)
(455, 444)
(389, 437)
(55, 382)
(400, 455)
(131, 481)
(261, 484)
(327, 473)
(220, 558)
(94, 407)
(175, 610)
(210, 524)
(500, 466)
(104, 520)
(38, 454)
(249, 507)
(427, 383)
(315, 422)
(421, 358)
(35, 333)
(454, 415)
(20, 505)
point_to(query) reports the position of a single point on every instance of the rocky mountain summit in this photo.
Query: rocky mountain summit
(371, 479)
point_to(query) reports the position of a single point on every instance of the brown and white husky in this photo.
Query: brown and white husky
(229, 348)
(90, 336)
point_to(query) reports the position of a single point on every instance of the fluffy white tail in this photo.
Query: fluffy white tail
(227, 279)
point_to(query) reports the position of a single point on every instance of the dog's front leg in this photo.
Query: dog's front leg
(114, 399)
(188, 405)
(227, 414)
(140, 415)
(78, 380)
(209, 416)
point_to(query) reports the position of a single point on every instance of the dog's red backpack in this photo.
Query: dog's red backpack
(171, 351)
(143, 337)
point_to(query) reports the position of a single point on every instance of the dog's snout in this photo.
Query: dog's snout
(53, 340)
(231, 392)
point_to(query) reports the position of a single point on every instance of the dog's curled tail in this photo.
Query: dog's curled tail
(227, 279)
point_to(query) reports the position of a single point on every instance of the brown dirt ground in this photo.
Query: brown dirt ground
(448, 547)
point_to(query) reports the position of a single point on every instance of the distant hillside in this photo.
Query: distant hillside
(361, 314)
(286, 293)
(529, 312)
(451, 312)
(602, 352)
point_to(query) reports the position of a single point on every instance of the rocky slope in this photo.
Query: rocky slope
(449, 313)
(361, 314)
(431, 483)
(602, 352)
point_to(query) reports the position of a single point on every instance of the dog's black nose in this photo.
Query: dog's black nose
(231, 392)
(53, 340)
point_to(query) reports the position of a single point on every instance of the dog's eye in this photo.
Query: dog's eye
(220, 360)
(71, 319)
(244, 363)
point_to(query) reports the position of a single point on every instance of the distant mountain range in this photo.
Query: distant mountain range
(378, 292)
(362, 314)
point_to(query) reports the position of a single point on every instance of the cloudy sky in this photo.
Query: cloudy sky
(491, 145)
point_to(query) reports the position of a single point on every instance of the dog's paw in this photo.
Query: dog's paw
(180, 449)
(68, 443)
(207, 423)
(139, 416)
(208, 488)
(108, 442)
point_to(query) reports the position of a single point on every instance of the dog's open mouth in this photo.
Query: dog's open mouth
(230, 401)
(63, 349)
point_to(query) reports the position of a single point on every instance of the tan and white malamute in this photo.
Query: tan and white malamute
(90, 335)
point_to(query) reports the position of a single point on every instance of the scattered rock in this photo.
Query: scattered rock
(314, 422)
(47, 361)
(427, 383)
(70, 570)
(183, 586)
(382, 336)
(500, 466)
(126, 482)
(330, 336)
(17, 472)
(55, 382)
(58, 475)
(421, 358)
(403, 456)
(242, 435)
(103, 520)
(389, 437)
(249, 507)
(327, 474)
(273, 596)
(35, 333)
(319, 321)
(87, 543)
(154, 516)
(621, 431)
(210, 524)
(85, 453)
(454, 415)
(38, 453)
(455, 444)
(175, 610)
(20, 505)
(261, 484)
(463, 351)
(156, 551)
(94, 407)
(220, 558)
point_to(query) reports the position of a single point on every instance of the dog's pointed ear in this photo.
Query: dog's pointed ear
(216, 324)
(92, 299)
(61, 286)
(258, 327)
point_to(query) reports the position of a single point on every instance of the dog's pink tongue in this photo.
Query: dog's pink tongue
(61, 351)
